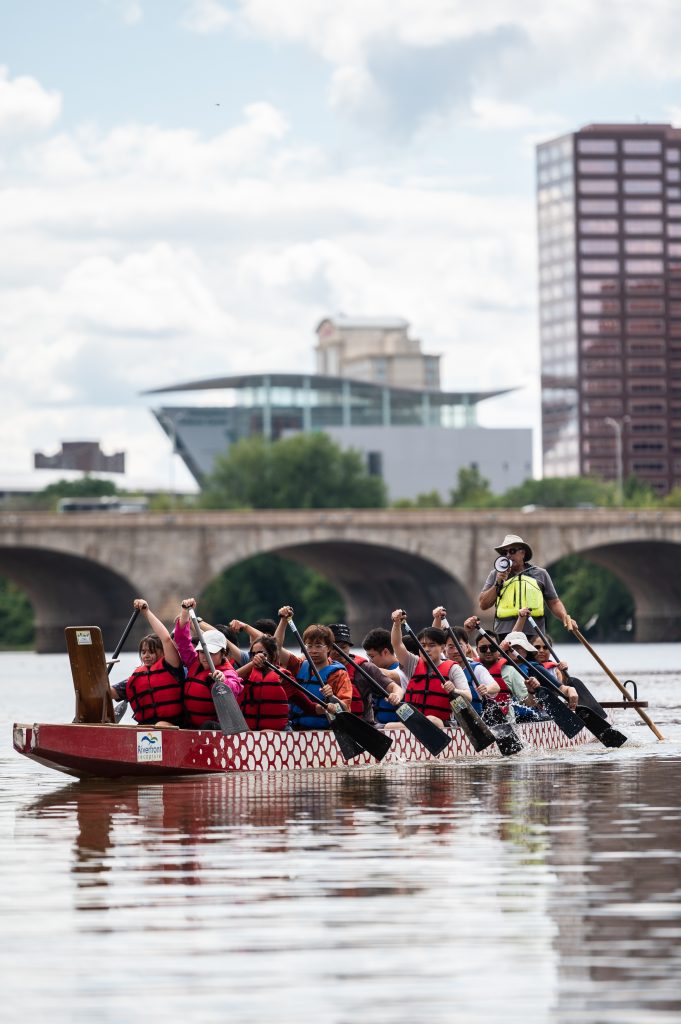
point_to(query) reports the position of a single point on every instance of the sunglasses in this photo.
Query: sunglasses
(484, 648)
(513, 551)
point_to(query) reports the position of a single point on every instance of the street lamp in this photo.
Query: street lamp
(617, 427)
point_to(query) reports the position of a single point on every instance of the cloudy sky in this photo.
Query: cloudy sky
(188, 186)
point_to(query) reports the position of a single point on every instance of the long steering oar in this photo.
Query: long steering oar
(433, 739)
(229, 713)
(508, 740)
(123, 706)
(569, 721)
(586, 697)
(376, 743)
(478, 732)
(611, 675)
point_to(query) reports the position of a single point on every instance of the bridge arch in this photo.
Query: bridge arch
(651, 572)
(64, 589)
(373, 579)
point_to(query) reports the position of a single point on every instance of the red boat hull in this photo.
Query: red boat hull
(114, 751)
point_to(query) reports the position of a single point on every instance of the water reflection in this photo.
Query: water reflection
(556, 879)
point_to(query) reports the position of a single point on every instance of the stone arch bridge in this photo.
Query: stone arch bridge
(85, 568)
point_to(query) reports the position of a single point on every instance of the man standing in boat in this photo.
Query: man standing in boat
(521, 585)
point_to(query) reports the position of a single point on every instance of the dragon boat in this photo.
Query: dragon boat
(116, 751)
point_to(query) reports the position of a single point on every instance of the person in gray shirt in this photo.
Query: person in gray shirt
(522, 585)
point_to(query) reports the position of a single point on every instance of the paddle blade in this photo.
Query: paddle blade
(120, 711)
(349, 747)
(586, 697)
(433, 739)
(90, 678)
(507, 739)
(566, 720)
(229, 713)
(376, 743)
(478, 732)
(609, 736)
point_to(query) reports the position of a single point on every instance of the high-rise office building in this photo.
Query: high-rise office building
(609, 216)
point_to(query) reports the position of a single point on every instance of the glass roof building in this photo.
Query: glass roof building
(377, 419)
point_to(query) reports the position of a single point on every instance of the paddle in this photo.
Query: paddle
(228, 711)
(508, 740)
(123, 706)
(363, 734)
(478, 732)
(349, 735)
(433, 739)
(586, 698)
(611, 675)
(570, 722)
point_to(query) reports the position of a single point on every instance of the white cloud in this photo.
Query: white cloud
(205, 17)
(25, 106)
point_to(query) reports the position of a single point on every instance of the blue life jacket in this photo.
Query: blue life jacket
(475, 696)
(383, 709)
(299, 718)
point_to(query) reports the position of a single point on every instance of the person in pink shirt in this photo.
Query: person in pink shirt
(199, 709)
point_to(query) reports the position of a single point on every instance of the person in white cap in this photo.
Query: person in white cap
(522, 585)
(199, 708)
(517, 643)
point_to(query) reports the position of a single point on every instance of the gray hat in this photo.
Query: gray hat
(512, 539)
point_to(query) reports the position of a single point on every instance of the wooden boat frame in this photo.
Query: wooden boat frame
(117, 751)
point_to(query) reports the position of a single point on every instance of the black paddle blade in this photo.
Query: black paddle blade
(586, 697)
(376, 743)
(609, 736)
(433, 739)
(507, 739)
(349, 747)
(478, 732)
(229, 713)
(566, 720)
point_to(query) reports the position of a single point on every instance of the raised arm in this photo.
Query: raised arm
(401, 652)
(285, 614)
(170, 652)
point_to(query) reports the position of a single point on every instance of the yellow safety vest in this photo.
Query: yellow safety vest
(520, 592)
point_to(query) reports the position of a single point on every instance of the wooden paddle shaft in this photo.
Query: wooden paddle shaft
(646, 718)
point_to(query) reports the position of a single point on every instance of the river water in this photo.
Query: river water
(542, 888)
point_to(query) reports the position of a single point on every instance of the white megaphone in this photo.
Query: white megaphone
(502, 563)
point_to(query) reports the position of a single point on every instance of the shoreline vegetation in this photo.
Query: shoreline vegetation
(311, 471)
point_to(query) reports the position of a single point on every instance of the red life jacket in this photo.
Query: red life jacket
(426, 692)
(198, 700)
(155, 693)
(263, 701)
(504, 696)
(357, 704)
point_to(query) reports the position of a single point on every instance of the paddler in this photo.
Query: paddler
(318, 640)
(198, 701)
(154, 690)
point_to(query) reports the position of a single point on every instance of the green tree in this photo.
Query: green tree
(17, 628)
(590, 591)
(472, 490)
(560, 492)
(431, 499)
(305, 471)
(256, 588)
(639, 494)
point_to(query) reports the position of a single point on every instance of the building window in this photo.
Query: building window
(645, 286)
(375, 463)
(602, 386)
(601, 346)
(642, 186)
(673, 156)
(600, 266)
(674, 229)
(598, 186)
(674, 249)
(596, 145)
(647, 407)
(598, 206)
(643, 227)
(643, 246)
(645, 346)
(601, 246)
(673, 174)
(643, 266)
(674, 209)
(644, 206)
(598, 166)
(602, 407)
(674, 193)
(647, 367)
(598, 227)
(643, 306)
(646, 387)
(642, 166)
(642, 146)
(611, 306)
(601, 326)
(602, 286)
